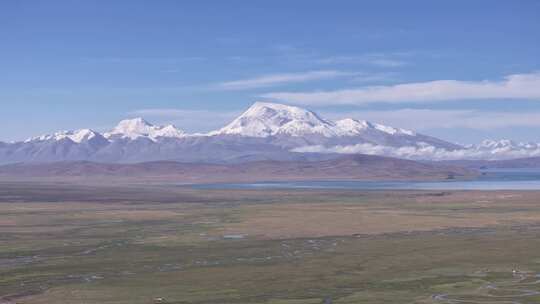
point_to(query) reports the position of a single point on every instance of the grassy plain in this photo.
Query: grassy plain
(64, 243)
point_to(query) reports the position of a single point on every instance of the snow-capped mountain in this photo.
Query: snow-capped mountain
(78, 136)
(351, 127)
(291, 127)
(265, 131)
(60, 146)
(138, 127)
(505, 144)
(268, 119)
(504, 149)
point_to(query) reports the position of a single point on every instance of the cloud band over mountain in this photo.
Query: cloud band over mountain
(516, 86)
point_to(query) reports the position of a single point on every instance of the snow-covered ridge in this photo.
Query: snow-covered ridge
(138, 127)
(128, 128)
(264, 119)
(505, 144)
(77, 136)
(349, 126)
(285, 129)
(269, 119)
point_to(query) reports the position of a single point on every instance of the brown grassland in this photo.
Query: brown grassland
(69, 243)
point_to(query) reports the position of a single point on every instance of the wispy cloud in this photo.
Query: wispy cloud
(517, 86)
(374, 77)
(286, 48)
(142, 60)
(427, 119)
(280, 79)
(379, 60)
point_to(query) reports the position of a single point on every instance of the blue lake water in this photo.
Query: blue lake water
(499, 179)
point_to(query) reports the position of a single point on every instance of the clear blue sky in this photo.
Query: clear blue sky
(77, 64)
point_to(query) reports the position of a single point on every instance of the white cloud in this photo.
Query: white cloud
(426, 119)
(389, 63)
(517, 86)
(374, 77)
(379, 60)
(280, 79)
(142, 60)
(488, 150)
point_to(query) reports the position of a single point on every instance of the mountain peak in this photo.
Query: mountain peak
(264, 119)
(258, 105)
(133, 124)
(138, 127)
(77, 136)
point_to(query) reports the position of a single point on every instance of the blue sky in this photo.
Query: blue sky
(459, 70)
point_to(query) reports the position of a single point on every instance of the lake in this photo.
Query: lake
(493, 179)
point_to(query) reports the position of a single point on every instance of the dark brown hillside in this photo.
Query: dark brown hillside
(350, 167)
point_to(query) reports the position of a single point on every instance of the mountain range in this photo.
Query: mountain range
(345, 167)
(266, 131)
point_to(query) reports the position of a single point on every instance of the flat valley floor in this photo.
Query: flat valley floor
(68, 243)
